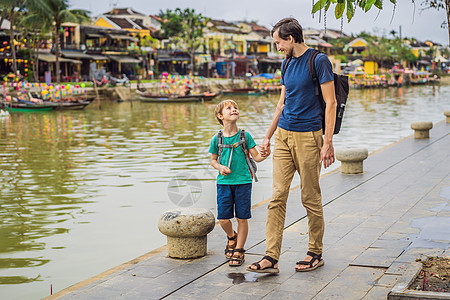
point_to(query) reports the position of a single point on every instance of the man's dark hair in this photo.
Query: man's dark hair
(287, 27)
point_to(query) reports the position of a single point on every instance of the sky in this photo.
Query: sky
(409, 19)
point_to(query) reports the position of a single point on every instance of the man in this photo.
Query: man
(299, 145)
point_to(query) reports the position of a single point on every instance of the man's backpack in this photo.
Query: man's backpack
(243, 143)
(341, 89)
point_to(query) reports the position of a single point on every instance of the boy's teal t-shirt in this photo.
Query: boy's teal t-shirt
(240, 173)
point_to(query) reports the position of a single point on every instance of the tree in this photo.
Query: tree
(37, 29)
(59, 13)
(349, 7)
(184, 28)
(14, 9)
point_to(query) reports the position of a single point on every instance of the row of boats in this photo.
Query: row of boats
(34, 103)
(150, 97)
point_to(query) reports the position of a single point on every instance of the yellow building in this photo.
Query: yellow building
(243, 38)
(371, 67)
(357, 46)
(135, 27)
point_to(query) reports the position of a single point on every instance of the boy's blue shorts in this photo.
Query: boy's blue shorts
(234, 198)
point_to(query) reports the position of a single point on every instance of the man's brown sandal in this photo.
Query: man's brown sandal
(237, 261)
(310, 264)
(229, 249)
(269, 270)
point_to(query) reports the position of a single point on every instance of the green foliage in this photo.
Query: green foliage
(387, 50)
(349, 6)
(343, 58)
(431, 52)
(184, 28)
(437, 4)
(445, 53)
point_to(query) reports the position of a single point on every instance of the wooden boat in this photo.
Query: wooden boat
(88, 99)
(27, 106)
(75, 98)
(76, 105)
(244, 91)
(208, 96)
(33, 106)
(149, 97)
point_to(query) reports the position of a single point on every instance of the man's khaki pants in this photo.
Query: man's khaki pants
(295, 151)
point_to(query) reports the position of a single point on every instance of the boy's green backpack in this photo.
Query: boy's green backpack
(243, 143)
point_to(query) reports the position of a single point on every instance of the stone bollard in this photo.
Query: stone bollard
(421, 129)
(447, 114)
(186, 231)
(352, 159)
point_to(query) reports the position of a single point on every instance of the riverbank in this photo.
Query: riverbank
(377, 224)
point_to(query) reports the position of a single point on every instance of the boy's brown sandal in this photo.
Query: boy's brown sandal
(229, 249)
(238, 260)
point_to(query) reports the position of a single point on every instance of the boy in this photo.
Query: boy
(234, 182)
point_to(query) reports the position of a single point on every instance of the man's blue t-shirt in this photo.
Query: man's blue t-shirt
(302, 110)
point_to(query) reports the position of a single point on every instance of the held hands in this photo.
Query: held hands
(224, 170)
(264, 149)
(327, 154)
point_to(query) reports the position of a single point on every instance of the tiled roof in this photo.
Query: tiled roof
(221, 23)
(121, 22)
(257, 27)
(123, 11)
(157, 18)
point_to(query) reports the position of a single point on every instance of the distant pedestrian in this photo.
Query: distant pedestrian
(229, 155)
(299, 145)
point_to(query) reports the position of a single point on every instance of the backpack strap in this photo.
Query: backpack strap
(286, 63)
(219, 145)
(243, 143)
(312, 70)
(288, 60)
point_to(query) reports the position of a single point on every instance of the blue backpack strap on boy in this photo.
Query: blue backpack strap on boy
(243, 143)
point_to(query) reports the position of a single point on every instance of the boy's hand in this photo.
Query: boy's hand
(224, 170)
(264, 149)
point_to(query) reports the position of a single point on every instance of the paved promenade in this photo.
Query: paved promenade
(377, 223)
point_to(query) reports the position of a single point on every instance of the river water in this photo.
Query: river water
(81, 191)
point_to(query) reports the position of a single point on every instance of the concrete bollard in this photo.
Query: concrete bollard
(447, 114)
(421, 129)
(186, 231)
(352, 159)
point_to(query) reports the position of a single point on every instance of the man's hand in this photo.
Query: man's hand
(264, 149)
(224, 170)
(327, 154)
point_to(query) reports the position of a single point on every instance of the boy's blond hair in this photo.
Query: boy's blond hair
(221, 106)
